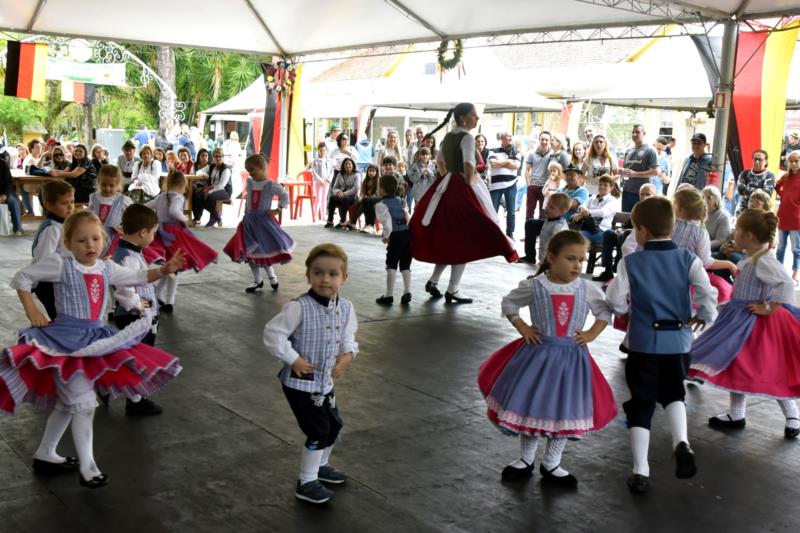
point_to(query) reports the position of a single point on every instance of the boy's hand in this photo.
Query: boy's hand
(174, 264)
(342, 365)
(301, 366)
(697, 324)
(38, 320)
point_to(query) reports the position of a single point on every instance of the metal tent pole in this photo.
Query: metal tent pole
(724, 92)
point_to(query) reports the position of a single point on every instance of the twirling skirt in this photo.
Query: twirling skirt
(554, 389)
(114, 361)
(173, 237)
(751, 354)
(259, 240)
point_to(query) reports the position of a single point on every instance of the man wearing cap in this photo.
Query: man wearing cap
(640, 164)
(696, 167)
(794, 144)
(330, 140)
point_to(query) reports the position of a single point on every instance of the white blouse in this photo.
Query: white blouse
(605, 208)
(50, 268)
(522, 296)
(770, 271)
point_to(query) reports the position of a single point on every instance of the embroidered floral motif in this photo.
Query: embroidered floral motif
(563, 313)
(318, 399)
(94, 291)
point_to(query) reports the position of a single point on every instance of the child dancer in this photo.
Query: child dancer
(139, 226)
(59, 203)
(557, 206)
(648, 284)
(689, 233)
(547, 383)
(173, 236)
(109, 204)
(59, 365)
(297, 336)
(393, 216)
(752, 347)
(259, 240)
(322, 173)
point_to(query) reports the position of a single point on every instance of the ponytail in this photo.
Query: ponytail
(457, 111)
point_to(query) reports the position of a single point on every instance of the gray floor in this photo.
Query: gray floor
(420, 453)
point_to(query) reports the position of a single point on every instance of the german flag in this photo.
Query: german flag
(80, 93)
(25, 70)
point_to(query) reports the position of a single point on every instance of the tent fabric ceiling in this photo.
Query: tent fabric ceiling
(281, 27)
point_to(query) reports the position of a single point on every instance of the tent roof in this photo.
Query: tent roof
(289, 28)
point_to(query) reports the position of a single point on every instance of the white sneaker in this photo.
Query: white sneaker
(368, 229)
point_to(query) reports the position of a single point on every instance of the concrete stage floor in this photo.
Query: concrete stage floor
(419, 450)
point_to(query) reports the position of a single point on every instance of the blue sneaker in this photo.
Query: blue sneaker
(329, 474)
(312, 492)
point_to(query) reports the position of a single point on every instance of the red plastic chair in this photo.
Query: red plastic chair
(304, 193)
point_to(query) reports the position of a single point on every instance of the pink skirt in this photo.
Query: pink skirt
(198, 254)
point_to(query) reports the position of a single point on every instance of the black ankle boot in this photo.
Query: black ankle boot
(451, 297)
(431, 289)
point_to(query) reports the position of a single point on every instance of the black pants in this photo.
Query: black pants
(612, 241)
(398, 252)
(367, 207)
(198, 201)
(122, 321)
(317, 416)
(533, 228)
(653, 378)
(343, 204)
(46, 294)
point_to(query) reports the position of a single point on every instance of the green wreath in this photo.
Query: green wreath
(452, 62)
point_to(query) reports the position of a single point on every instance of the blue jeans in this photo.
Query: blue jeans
(594, 238)
(629, 199)
(409, 196)
(522, 192)
(509, 193)
(13, 210)
(783, 238)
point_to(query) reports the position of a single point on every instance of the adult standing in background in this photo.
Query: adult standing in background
(8, 195)
(697, 166)
(185, 141)
(232, 149)
(640, 164)
(392, 148)
(161, 140)
(536, 174)
(332, 140)
(504, 161)
(598, 162)
(791, 146)
(342, 151)
(661, 180)
(753, 179)
(481, 155)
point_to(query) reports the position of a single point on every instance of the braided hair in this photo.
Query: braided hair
(763, 225)
(457, 111)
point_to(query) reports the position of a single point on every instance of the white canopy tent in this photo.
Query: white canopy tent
(289, 28)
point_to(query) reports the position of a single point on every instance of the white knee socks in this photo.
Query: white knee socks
(170, 284)
(326, 455)
(310, 461)
(738, 405)
(527, 451)
(271, 274)
(552, 455)
(789, 408)
(406, 281)
(256, 270)
(83, 437)
(640, 442)
(391, 276)
(456, 271)
(676, 415)
(437, 273)
(56, 426)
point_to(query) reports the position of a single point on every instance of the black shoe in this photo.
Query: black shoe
(451, 297)
(339, 226)
(161, 303)
(791, 433)
(531, 260)
(165, 308)
(511, 473)
(568, 481)
(95, 483)
(431, 289)
(726, 423)
(274, 285)
(143, 407)
(604, 276)
(684, 461)
(406, 298)
(385, 300)
(104, 398)
(637, 483)
(329, 225)
(624, 349)
(255, 286)
(46, 468)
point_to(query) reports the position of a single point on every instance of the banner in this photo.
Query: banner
(94, 73)
(25, 70)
